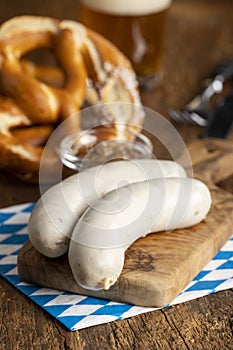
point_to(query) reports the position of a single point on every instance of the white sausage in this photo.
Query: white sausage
(104, 232)
(58, 210)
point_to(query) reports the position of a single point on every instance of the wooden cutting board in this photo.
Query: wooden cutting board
(158, 267)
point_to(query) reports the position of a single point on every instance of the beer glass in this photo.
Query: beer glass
(136, 27)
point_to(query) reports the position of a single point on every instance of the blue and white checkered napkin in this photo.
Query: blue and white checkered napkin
(78, 311)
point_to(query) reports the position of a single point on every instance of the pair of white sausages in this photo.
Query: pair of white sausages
(97, 214)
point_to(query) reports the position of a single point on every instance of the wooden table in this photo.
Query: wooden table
(199, 36)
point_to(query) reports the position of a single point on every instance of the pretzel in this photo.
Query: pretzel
(47, 74)
(88, 69)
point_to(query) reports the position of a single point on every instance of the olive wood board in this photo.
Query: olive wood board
(159, 266)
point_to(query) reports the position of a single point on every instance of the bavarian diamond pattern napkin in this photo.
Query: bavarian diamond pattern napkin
(78, 311)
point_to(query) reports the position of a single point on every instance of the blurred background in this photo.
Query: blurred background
(198, 38)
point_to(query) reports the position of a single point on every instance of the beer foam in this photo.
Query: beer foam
(128, 7)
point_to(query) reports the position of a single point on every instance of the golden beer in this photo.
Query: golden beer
(135, 26)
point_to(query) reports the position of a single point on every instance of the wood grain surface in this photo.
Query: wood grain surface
(199, 36)
(158, 267)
